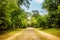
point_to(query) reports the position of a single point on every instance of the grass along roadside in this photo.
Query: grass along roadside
(53, 31)
(41, 36)
(9, 33)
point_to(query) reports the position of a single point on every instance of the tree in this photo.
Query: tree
(6, 8)
(52, 7)
(11, 14)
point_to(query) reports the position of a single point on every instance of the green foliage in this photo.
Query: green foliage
(53, 9)
(53, 31)
(24, 2)
(35, 19)
(11, 14)
(5, 12)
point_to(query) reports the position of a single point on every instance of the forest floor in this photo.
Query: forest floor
(32, 34)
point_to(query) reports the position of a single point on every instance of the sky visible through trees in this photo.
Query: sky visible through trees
(35, 5)
(16, 14)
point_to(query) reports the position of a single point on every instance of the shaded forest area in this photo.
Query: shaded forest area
(12, 16)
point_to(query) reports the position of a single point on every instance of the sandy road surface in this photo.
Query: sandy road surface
(30, 34)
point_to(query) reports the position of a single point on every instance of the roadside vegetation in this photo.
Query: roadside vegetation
(40, 35)
(9, 33)
(13, 17)
(50, 21)
(53, 31)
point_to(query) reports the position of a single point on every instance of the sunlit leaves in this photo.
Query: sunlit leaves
(11, 14)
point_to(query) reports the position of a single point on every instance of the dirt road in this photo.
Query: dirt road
(30, 34)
